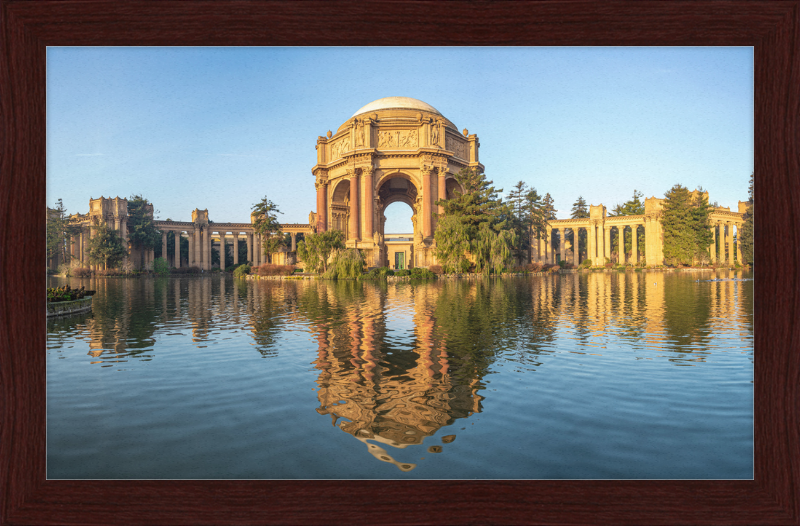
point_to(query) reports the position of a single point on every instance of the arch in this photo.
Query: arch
(339, 208)
(451, 185)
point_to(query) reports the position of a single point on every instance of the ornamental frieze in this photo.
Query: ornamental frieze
(340, 147)
(398, 139)
(458, 147)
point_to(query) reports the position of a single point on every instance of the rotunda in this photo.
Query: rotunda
(394, 149)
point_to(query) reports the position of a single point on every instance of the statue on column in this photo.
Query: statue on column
(435, 134)
(312, 221)
(360, 134)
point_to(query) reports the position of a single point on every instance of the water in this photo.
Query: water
(579, 376)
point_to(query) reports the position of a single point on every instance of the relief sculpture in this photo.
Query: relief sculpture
(386, 139)
(459, 148)
(408, 139)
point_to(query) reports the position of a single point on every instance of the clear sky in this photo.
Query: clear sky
(220, 128)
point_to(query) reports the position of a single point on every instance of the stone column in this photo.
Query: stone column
(562, 242)
(738, 243)
(236, 248)
(192, 245)
(256, 249)
(164, 246)
(222, 248)
(576, 244)
(548, 245)
(621, 244)
(369, 201)
(207, 248)
(607, 243)
(248, 238)
(322, 207)
(196, 256)
(353, 205)
(123, 233)
(601, 246)
(442, 194)
(712, 249)
(294, 241)
(634, 244)
(729, 237)
(591, 242)
(177, 262)
(426, 203)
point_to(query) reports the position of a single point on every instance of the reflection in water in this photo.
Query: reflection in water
(397, 363)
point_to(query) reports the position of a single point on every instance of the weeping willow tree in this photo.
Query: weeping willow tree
(492, 249)
(452, 243)
(348, 264)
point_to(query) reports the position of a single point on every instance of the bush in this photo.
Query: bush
(81, 272)
(66, 293)
(241, 271)
(378, 273)
(269, 269)
(402, 272)
(52, 272)
(422, 273)
(587, 263)
(161, 266)
(563, 263)
(106, 272)
(536, 266)
(186, 270)
(436, 269)
(347, 265)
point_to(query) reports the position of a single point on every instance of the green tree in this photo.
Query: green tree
(528, 215)
(142, 233)
(266, 223)
(452, 244)
(632, 207)
(106, 247)
(478, 208)
(686, 228)
(58, 232)
(316, 249)
(746, 232)
(580, 210)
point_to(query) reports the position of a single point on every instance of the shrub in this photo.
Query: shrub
(81, 272)
(348, 264)
(105, 272)
(587, 263)
(436, 269)
(52, 272)
(269, 269)
(66, 293)
(422, 273)
(186, 270)
(402, 272)
(378, 273)
(563, 263)
(536, 266)
(241, 270)
(161, 266)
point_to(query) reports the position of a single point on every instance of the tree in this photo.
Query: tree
(746, 232)
(58, 232)
(527, 215)
(316, 249)
(106, 247)
(452, 244)
(142, 233)
(632, 207)
(478, 208)
(684, 218)
(580, 210)
(266, 224)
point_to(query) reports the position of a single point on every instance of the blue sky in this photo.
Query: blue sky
(220, 128)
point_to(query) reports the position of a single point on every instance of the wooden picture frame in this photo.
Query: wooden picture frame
(772, 27)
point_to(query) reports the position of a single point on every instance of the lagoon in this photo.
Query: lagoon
(594, 375)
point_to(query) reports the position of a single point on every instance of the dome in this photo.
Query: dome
(388, 103)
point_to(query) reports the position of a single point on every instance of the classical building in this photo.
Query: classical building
(393, 149)
(201, 234)
(600, 228)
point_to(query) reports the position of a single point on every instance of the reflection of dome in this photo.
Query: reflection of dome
(390, 103)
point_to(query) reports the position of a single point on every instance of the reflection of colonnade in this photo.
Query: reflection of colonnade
(603, 231)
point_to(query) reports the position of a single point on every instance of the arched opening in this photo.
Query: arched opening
(397, 220)
(340, 209)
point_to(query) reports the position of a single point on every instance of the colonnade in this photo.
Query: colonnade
(598, 245)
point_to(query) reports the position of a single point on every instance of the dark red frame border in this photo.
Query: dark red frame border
(772, 27)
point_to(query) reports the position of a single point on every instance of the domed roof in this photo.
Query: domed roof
(387, 103)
